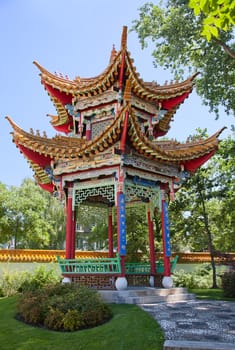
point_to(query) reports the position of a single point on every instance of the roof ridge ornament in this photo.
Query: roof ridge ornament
(113, 54)
(124, 38)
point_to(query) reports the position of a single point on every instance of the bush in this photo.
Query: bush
(10, 282)
(32, 308)
(40, 277)
(54, 319)
(63, 308)
(228, 284)
(200, 278)
(72, 320)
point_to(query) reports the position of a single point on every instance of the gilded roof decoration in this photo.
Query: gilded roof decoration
(63, 90)
(107, 115)
(62, 147)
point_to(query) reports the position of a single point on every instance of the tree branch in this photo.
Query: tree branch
(225, 47)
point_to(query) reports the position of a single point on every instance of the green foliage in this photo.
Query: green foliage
(219, 14)
(175, 33)
(63, 308)
(72, 320)
(10, 282)
(39, 278)
(214, 186)
(94, 221)
(31, 216)
(137, 232)
(53, 319)
(228, 284)
(201, 278)
(32, 307)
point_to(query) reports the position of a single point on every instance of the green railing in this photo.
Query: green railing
(145, 269)
(109, 266)
(90, 266)
(137, 268)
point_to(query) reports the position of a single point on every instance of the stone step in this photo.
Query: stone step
(146, 296)
(154, 291)
(196, 345)
(168, 299)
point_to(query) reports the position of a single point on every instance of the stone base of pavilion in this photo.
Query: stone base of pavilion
(106, 273)
(146, 295)
(108, 282)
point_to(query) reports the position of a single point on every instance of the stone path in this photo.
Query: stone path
(196, 321)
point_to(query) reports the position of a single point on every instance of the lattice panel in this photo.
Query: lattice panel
(98, 127)
(143, 280)
(106, 191)
(97, 282)
(133, 191)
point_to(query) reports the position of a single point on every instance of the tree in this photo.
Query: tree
(223, 167)
(179, 46)
(26, 215)
(30, 216)
(217, 15)
(5, 233)
(203, 212)
(94, 223)
(137, 233)
(55, 215)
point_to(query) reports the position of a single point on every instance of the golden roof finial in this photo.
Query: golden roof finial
(113, 54)
(124, 38)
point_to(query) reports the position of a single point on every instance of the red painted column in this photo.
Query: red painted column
(73, 236)
(69, 222)
(166, 258)
(110, 231)
(121, 220)
(151, 243)
(88, 130)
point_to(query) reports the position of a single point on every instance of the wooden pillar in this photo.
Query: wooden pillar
(151, 243)
(110, 231)
(121, 220)
(69, 223)
(88, 130)
(165, 236)
(73, 236)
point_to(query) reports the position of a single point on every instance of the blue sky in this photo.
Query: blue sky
(73, 37)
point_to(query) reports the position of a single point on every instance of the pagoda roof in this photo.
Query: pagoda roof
(63, 91)
(123, 130)
(41, 151)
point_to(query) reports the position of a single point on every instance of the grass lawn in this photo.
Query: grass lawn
(130, 328)
(213, 294)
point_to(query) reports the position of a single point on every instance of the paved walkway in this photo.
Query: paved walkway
(196, 321)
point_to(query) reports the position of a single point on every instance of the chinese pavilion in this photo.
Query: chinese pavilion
(109, 152)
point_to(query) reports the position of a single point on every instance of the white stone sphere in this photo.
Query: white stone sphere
(167, 282)
(151, 281)
(121, 283)
(66, 280)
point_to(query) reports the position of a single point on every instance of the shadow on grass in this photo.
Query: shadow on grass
(130, 328)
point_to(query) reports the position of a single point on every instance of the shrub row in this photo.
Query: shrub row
(200, 278)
